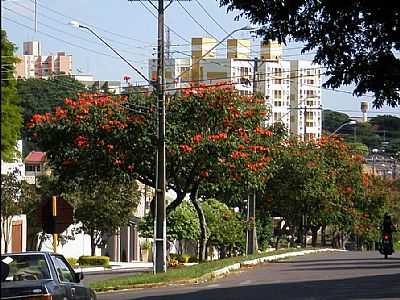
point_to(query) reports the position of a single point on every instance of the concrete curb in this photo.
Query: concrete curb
(256, 261)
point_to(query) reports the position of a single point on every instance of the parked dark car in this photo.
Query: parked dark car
(41, 276)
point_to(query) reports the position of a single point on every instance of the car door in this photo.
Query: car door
(67, 277)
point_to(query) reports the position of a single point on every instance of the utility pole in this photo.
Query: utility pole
(160, 255)
(251, 201)
(35, 15)
(305, 123)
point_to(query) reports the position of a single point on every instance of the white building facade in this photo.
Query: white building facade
(305, 99)
(291, 88)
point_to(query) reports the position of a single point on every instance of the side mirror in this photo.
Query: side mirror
(78, 277)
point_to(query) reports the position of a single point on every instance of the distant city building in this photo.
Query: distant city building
(110, 86)
(364, 110)
(35, 65)
(291, 88)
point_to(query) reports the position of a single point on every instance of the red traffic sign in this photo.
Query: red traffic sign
(63, 218)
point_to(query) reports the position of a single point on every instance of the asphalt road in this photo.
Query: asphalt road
(338, 275)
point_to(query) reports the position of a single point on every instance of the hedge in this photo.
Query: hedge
(94, 261)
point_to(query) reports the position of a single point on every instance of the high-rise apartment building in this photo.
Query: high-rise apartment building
(305, 99)
(34, 65)
(291, 88)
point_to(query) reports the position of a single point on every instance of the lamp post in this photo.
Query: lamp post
(351, 122)
(78, 25)
(160, 264)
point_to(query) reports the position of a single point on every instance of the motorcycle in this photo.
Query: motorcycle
(386, 245)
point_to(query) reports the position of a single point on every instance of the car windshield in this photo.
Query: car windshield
(24, 267)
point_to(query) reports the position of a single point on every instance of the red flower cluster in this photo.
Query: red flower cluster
(81, 141)
(197, 138)
(37, 118)
(60, 113)
(117, 123)
(186, 148)
(238, 154)
(263, 131)
(257, 148)
(218, 136)
(204, 173)
(117, 162)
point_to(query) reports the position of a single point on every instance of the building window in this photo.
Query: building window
(277, 94)
(32, 168)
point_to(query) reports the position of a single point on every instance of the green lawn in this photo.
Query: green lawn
(176, 274)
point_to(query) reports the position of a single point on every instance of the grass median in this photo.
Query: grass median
(177, 274)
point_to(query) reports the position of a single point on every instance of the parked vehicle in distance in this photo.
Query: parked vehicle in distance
(41, 276)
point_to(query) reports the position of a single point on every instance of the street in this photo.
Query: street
(338, 275)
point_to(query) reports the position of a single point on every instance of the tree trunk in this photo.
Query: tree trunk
(178, 200)
(92, 243)
(42, 237)
(203, 224)
(277, 243)
(314, 230)
(323, 237)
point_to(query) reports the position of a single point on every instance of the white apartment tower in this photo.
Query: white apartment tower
(291, 88)
(305, 99)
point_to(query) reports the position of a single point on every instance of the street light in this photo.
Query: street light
(76, 24)
(351, 122)
(160, 223)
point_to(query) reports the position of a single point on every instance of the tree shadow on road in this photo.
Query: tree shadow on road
(369, 287)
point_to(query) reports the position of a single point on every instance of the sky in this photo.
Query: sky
(131, 28)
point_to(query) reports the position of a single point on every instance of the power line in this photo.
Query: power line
(73, 35)
(64, 41)
(195, 21)
(59, 22)
(154, 15)
(91, 25)
(210, 16)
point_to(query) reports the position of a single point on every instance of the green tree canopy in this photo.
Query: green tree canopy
(225, 228)
(355, 40)
(104, 206)
(38, 96)
(11, 119)
(331, 120)
(10, 203)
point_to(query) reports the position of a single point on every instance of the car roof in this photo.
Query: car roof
(28, 253)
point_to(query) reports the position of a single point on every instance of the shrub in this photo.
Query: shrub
(193, 259)
(185, 258)
(175, 256)
(146, 245)
(94, 261)
(172, 263)
(72, 261)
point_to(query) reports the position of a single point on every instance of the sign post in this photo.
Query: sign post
(54, 209)
(55, 216)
